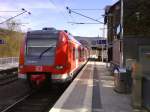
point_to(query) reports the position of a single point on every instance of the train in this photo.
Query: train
(51, 55)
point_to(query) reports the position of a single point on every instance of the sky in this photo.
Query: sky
(53, 13)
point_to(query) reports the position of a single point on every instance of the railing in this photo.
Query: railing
(9, 60)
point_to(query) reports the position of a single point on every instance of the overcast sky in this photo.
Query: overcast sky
(53, 13)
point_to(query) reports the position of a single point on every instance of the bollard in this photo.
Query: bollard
(136, 85)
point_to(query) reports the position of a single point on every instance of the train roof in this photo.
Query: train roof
(73, 39)
(52, 31)
(44, 31)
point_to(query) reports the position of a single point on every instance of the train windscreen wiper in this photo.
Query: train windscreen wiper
(49, 48)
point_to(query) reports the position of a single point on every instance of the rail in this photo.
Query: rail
(15, 103)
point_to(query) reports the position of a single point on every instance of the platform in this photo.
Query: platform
(92, 91)
(8, 66)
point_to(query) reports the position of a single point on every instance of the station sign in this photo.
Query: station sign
(99, 42)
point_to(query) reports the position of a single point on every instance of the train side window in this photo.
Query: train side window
(82, 53)
(76, 53)
(73, 53)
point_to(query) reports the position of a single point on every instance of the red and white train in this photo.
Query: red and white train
(51, 54)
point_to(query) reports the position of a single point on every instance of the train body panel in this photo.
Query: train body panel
(50, 53)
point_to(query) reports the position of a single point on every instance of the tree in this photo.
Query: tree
(13, 25)
(13, 39)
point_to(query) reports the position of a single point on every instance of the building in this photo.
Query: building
(97, 44)
(112, 19)
(128, 23)
(135, 30)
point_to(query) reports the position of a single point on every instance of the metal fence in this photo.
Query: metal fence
(9, 60)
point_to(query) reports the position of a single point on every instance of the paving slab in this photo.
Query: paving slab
(92, 91)
(8, 66)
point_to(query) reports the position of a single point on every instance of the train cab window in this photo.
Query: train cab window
(40, 46)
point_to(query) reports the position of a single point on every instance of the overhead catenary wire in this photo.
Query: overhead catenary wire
(18, 23)
(24, 11)
(10, 11)
(70, 11)
(57, 8)
(82, 23)
(89, 9)
(62, 13)
(73, 19)
(97, 21)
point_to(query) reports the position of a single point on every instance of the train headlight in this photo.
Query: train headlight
(59, 67)
(64, 76)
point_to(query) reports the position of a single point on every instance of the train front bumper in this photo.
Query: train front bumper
(61, 78)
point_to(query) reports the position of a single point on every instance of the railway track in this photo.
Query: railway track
(7, 76)
(37, 101)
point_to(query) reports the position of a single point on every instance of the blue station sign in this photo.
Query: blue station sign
(99, 42)
(2, 41)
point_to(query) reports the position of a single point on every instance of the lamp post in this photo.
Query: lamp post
(103, 44)
(121, 34)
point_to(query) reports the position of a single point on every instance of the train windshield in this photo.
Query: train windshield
(41, 46)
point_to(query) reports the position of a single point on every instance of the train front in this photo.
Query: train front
(37, 55)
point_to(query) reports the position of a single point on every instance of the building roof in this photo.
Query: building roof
(109, 9)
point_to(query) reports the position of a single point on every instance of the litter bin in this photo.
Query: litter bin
(122, 80)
